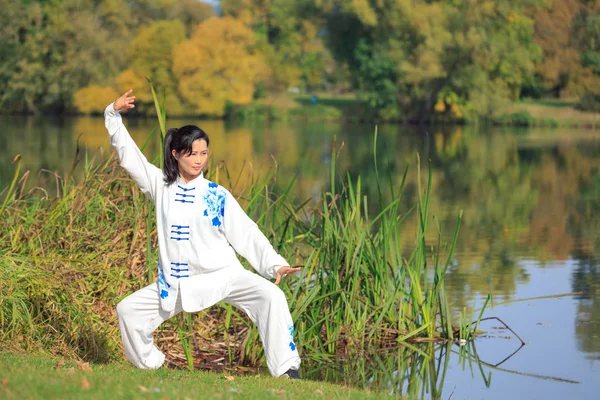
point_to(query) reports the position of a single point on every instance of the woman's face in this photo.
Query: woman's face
(191, 165)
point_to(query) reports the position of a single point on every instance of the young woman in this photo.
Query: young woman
(200, 228)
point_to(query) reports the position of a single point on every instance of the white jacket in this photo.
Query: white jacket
(199, 225)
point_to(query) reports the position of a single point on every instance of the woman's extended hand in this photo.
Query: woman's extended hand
(283, 271)
(125, 102)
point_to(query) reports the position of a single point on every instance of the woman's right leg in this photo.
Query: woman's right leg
(139, 316)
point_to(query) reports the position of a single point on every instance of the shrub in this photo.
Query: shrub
(93, 99)
(521, 118)
(589, 102)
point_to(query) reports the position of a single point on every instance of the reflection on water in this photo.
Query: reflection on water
(531, 224)
(403, 372)
(426, 372)
(586, 279)
(496, 365)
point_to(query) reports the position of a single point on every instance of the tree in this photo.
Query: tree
(51, 49)
(150, 56)
(93, 99)
(192, 12)
(474, 52)
(289, 36)
(560, 30)
(208, 79)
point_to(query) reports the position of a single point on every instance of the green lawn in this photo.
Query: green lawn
(557, 103)
(44, 377)
(563, 111)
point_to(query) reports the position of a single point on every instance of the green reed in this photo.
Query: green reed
(67, 261)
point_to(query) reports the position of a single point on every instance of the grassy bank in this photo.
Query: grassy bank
(527, 113)
(547, 113)
(40, 376)
(303, 107)
(67, 261)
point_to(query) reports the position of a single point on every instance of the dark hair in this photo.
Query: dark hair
(180, 140)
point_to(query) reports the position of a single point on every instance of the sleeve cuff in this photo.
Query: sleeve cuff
(272, 272)
(110, 110)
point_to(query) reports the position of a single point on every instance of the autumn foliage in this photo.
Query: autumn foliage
(93, 99)
(418, 59)
(217, 65)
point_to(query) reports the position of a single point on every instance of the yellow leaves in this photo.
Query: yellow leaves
(427, 62)
(94, 98)
(218, 64)
(150, 57)
(83, 366)
(246, 11)
(440, 106)
(448, 102)
(143, 389)
(85, 384)
(363, 10)
(455, 108)
(151, 48)
(130, 80)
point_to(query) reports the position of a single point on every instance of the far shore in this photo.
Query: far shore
(551, 113)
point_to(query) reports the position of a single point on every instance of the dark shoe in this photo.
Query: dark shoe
(291, 374)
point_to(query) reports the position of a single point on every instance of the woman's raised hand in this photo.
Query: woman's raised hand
(125, 102)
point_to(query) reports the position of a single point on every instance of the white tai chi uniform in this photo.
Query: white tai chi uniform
(198, 222)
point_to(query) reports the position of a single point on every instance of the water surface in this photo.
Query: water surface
(531, 227)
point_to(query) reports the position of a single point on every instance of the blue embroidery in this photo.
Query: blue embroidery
(292, 344)
(215, 203)
(178, 270)
(162, 284)
(184, 195)
(184, 201)
(179, 233)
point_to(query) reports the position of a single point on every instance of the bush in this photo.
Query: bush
(589, 102)
(502, 119)
(316, 112)
(521, 118)
(550, 122)
(93, 99)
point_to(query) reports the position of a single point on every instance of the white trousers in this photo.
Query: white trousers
(140, 315)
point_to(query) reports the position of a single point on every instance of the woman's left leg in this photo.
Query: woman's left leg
(267, 307)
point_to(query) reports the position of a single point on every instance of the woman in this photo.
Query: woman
(200, 228)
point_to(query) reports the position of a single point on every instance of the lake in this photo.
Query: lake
(531, 228)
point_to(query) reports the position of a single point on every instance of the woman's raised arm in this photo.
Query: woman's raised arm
(147, 176)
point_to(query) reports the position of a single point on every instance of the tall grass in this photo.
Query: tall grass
(67, 261)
